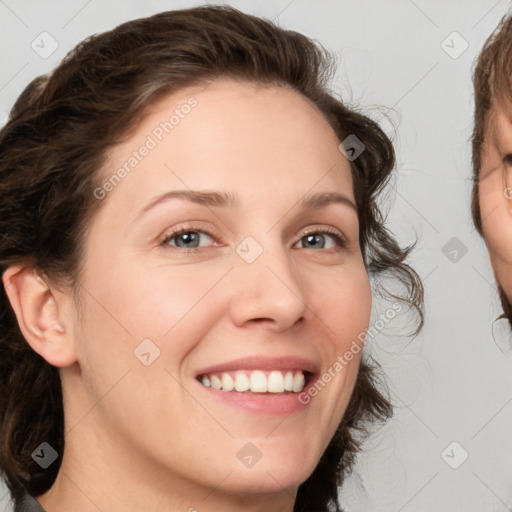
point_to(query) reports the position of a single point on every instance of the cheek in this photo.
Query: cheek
(152, 302)
(344, 311)
(496, 216)
(344, 304)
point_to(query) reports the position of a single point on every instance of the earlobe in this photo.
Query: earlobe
(41, 321)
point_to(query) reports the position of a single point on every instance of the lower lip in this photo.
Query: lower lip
(262, 403)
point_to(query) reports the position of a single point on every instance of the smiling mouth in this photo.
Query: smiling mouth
(257, 381)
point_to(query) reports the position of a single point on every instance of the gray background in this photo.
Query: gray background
(453, 382)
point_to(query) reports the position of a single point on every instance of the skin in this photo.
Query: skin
(150, 437)
(495, 192)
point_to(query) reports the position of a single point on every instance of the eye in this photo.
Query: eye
(186, 238)
(319, 239)
(189, 238)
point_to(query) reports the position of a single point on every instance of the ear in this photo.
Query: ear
(42, 315)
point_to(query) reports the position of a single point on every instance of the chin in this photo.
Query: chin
(278, 472)
(270, 481)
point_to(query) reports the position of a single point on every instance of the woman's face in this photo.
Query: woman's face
(495, 193)
(267, 280)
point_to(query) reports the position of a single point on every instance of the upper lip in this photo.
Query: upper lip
(263, 363)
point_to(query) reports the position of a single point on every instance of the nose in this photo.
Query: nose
(268, 291)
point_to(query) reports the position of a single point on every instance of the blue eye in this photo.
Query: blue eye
(318, 239)
(185, 238)
(189, 238)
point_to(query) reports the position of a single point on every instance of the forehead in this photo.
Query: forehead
(255, 107)
(236, 126)
(255, 141)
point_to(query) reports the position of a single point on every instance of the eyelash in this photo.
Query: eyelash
(339, 239)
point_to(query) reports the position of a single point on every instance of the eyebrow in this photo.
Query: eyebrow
(228, 200)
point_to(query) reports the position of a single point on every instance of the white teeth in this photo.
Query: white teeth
(288, 381)
(228, 384)
(242, 382)
(276, 382)
(257, 381)
(216, 382)
(298, 382)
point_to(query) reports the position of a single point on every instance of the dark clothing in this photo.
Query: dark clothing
(28, 504)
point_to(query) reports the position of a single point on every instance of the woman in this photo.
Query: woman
(492, 156)
(189, 223)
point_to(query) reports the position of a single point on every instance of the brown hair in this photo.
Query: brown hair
(492, 82)
(51, 151)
